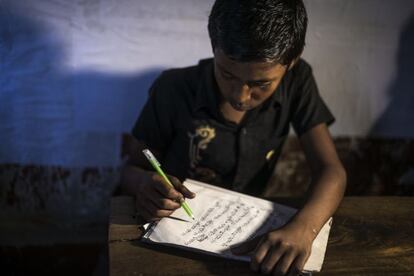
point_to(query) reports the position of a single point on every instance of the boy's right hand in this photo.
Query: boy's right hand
(155, 199)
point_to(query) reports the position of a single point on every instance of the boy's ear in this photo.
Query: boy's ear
(294, 62)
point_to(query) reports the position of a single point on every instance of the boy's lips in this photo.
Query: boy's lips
(240, 107)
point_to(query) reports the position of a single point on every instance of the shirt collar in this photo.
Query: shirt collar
(277, 97)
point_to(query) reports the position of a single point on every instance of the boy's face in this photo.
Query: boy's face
(245, 85)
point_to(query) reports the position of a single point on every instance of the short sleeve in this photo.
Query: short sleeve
(154, 126)
(309, 109)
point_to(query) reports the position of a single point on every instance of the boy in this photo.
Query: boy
(225, 120)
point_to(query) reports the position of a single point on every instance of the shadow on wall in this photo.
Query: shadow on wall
(52, 116)
(40, 125)
(398, 118)
(383, 164)
(54, 218)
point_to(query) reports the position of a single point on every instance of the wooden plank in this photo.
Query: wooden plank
(123, 222)
(369, 236)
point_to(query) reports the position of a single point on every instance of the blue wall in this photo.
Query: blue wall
(74, 75)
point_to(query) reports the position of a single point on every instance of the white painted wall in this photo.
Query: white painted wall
(361, 52)
(74, 74)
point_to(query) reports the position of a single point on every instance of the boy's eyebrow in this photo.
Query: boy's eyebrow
(249, 81)
(224, 70)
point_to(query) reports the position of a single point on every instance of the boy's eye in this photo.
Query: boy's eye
(261, 86)
(264, 86)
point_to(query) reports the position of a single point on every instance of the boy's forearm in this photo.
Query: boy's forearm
(326, 192)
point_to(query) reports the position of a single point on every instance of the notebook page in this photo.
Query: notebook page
(225, 218)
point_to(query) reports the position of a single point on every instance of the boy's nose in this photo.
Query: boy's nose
(243, 94)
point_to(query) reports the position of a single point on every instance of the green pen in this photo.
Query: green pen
(157, 166)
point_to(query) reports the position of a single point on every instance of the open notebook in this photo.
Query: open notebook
(224, 218)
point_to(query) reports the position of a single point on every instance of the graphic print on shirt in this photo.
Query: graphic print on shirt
(199, 140)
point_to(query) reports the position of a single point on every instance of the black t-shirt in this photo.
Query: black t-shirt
(181, 119)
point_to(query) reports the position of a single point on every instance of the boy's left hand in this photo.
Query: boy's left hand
(279, 251)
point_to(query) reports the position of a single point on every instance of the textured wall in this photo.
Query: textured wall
(74, 74)
(360, 51)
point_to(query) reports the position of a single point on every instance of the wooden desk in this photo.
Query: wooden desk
(369, 236)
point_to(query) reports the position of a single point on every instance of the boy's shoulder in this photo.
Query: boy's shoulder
(297, 76)
(301, 69)
(185, 80)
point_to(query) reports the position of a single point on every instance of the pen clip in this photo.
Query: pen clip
(148, 154)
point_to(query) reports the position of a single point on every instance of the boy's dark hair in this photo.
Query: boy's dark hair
(259, 30)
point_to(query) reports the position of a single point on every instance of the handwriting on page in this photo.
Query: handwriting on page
(226, 218)
(223, 222)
